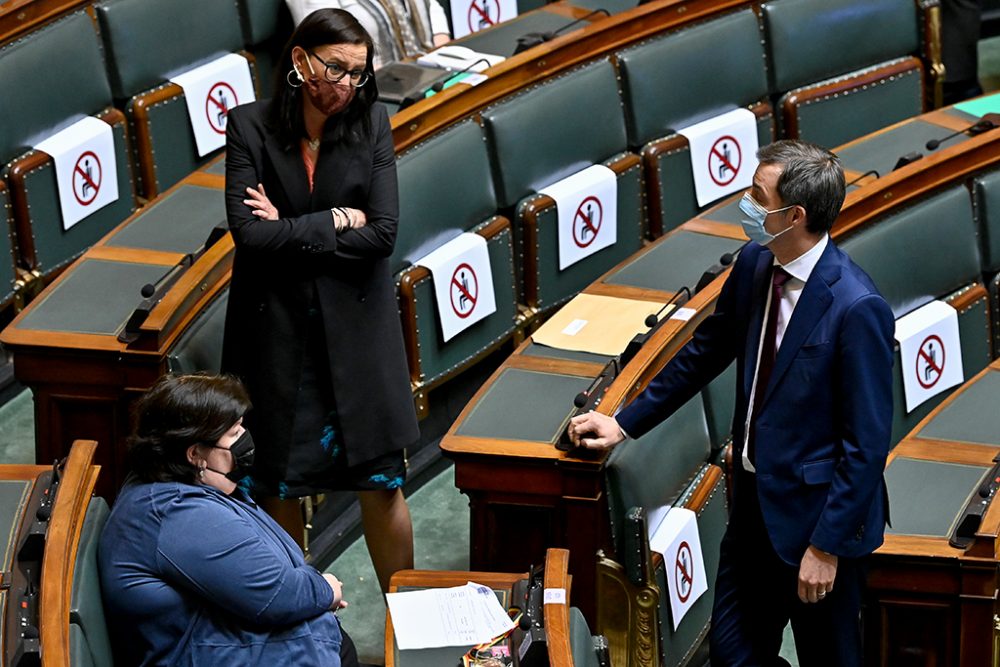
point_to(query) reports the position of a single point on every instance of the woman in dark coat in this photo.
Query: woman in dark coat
(312, 326)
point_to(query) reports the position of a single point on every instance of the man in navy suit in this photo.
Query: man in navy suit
(812, 339)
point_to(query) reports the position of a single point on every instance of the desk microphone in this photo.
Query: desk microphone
(439, 85)
(533, 39)
(870, 172)
(713, 272)
(651, 320)
(987, 122)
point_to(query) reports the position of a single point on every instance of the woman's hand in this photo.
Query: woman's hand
(348, 218)
(338, 592)
(261, 205)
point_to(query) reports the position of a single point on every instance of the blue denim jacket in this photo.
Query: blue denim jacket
(191, 576)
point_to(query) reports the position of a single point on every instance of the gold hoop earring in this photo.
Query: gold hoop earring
(295, 82)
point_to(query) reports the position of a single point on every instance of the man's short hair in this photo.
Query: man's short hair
(811, 177)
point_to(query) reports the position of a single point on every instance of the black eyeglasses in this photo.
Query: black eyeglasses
(334, 73)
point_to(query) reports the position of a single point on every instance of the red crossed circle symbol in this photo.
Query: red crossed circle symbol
(86, 179)
(684, 572)
(464, 290)
(722, 164)
(220, 99)
(480, 16)
(587, 221)
(933, 369)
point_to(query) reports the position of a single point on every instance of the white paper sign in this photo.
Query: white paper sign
(86, 169)
(211, 90)
(930, 352)
(469, 16)
(459, 616)
(723, 154)
(587, 207)
(463, 283)
(676, 539)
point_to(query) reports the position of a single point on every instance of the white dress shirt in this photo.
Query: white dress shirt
(799, 269)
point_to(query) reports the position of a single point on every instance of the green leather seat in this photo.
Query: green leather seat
(200, 346)
(544, 134)
(34, 113)
(580, 640)
(211, 28)
(720, 397)
(680, 645)
(816, 44)
(676, 80)
(79, 650)
(986, 197)
(654, 470)
(445, 189)
(86, 609)
(937, 235)
(266, 27)
(8, 249)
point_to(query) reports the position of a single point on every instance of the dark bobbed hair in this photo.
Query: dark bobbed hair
(322, 27)
(811, 177)
(177, 412)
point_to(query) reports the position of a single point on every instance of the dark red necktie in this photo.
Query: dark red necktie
(767, 354)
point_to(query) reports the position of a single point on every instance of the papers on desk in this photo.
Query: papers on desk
(454, 58)
(460, 616)
(596, 324)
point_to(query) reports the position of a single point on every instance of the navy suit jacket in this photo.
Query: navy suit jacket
(822, 435)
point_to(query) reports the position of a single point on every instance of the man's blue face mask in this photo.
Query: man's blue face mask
(754, 227)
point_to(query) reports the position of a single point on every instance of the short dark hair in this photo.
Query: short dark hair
(177, 412)
(322, 27)
(811, 177)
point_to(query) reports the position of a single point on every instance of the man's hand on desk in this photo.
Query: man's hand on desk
(595, 431)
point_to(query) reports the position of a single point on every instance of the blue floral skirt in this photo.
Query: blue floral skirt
(317, 459)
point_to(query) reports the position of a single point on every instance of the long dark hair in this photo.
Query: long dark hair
(177, 412)
(322, 27)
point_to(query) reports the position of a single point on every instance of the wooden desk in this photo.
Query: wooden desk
(556, 615)
(929, 603)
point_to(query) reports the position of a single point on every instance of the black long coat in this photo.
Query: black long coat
(284, 266)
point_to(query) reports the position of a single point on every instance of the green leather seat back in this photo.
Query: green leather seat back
(445, 188)
(920, 253)
(811, 40)
(846, 115)
(210, 28)
(8, 246)
(555, 286)
(259, 19)
(200, 346)
(452, 167)
(986, 194)
(54, 246)
(548, 132)
(86, 609)
(973, 331)
(684, 77)
(654, 470)
(680, 645)
(437, 358)
(79, 650)
(580, 640)
(678, 202)
(32, 107)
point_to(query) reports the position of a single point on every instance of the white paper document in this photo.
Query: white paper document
(930, 352)
(86, 168)
(463, 282)
(210, 91)
(460, 616)
(673, 533)
(723, 154)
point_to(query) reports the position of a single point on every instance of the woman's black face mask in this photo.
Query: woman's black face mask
(242, 452)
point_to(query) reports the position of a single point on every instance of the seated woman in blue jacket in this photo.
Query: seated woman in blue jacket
(192, 571)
